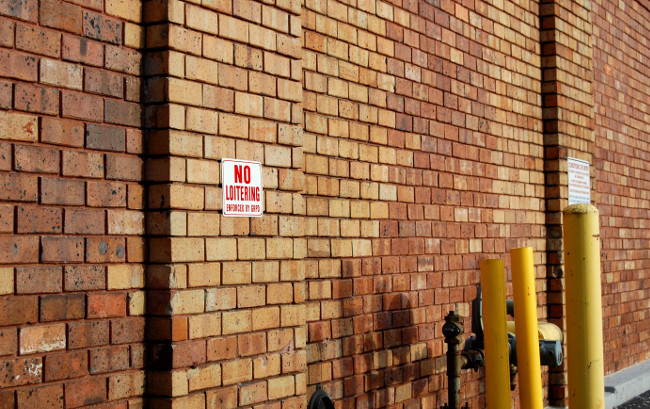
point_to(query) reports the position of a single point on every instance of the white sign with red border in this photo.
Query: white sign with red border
(579, 181)
(242, 188)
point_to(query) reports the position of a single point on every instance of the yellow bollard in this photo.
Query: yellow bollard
(523, 288)
(583, 307)
(497, 364)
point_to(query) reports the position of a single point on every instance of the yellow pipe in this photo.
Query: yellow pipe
(545, 330)
(497, 365)
(583, 307)
(523, 288)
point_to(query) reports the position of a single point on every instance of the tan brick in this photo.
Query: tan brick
(128, 10)
(233, 29)
(187, 302)
(251, 296)
(234, 322)
(204, 377)
(236, 272)
(136, 303)
(266, 318)
(220, 249)
(185, 92)
(125, 385)
(279, 293)
(239, 370)
(248, 104)
(253, 393)
(61, 74)
(218, 49)
(202, 120)
(281, 387)
(217, 299)
(204, 325)
(201, 19)
(292, 315)
(125, 222)
(251, 249)
(203, 224)
(203, 172)
(42, 338)
(203, 275)
(17, 126)
(125, 276)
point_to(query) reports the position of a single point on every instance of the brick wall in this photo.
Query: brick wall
(402, 141)
(423, 154)
(71, 244)
(621, 78)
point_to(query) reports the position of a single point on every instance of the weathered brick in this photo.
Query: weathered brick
(62, 191)
(65, 365)
(123, 167)
(106, 194)
(84, 164)
(39, 279)
(61, 307)
(84, 221)
(38, 40)
(61, 74)
(84, 277)
(105, 249)
(6, 93)
(79, 49)
(42, 338)
(61, 132)
(28, 158)
(20, 371)
(85, 392)
(17, 126)
(105, 137)
(122, 112)
(101, 27)
(22, 9)
(59, 15)
(18, 65)
(83, 334)
(82, 106)
(103, 82)
(18, 310)
(62, 249)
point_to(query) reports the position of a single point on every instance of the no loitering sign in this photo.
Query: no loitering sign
(241, 181)
(579, 182)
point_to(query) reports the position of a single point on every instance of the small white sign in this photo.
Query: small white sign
(242, 188)
(579, 181)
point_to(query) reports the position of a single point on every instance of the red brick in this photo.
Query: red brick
(8, 341)
(38, 99)
(82, 106)
(84, 221)
(5, 156)
(18, 187)
(122, 112)
(62, 249)
(65, 366)
(102, 27)
(18, 310)
(6, 219)
(106, 194)
(127, 330)
(84, 277)
(37, 40)
(30, 158)
(223, 348)
(83, 50)
(6, 94)
(22, 9)
(105, 249)
(39, 279)
(85, 392)
(62, 191)
(104, 137)
(123, 60)
(64, 16)
(43, 397)
(62, 132)
(7, 399)
(18, 249)
(103, 82)
(111, 359)
(84, 334)
(39, 219)
(83, 164)
(20, 371)
(61, 307)
(18, 65)
(123, 167)
(103, 305)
